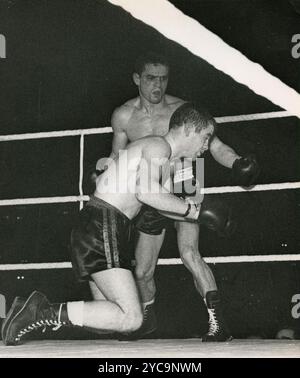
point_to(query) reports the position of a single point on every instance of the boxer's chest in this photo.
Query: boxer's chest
(141, 125)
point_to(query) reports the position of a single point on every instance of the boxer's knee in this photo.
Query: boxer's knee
(189, 252)
(144, 272)
(132, 319)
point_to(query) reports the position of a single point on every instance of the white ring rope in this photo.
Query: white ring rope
(253, 117)
(105, 130)
(81, 156)
(172, 261)
(55, 134)
(81, 159)
(212, 190)
(42, 200)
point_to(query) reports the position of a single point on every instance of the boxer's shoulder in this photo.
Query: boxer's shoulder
(173, 102)
(122, 114)
(156, 147)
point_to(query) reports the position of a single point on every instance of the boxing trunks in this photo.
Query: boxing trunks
(100, 239)
(150, 221)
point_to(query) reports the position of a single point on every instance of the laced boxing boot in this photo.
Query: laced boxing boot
(35, 313)
(148, 326)
(217, 330)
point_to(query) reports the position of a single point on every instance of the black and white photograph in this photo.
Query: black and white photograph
(149, 181)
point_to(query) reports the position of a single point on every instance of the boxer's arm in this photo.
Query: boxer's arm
(175, 217)
(149, 189)
(120, 139)
(245, 169)
(222, 153)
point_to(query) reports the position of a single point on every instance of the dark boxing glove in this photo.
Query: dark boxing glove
(216, 215)
(245, 171)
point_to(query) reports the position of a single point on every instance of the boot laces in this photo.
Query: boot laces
(146, 312)
(213, 322)
(42, 323)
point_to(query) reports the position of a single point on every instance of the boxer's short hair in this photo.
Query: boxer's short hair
(190, 112)
(149, 58)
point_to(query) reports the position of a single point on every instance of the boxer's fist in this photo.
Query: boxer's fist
(216, 215)
(245, 171)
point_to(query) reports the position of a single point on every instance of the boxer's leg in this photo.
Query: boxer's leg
(97, 295)
(96, 292)
(121, 311)
(188, 242)
(146, 255)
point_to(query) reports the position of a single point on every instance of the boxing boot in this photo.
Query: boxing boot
(217, 330)
(35, 313)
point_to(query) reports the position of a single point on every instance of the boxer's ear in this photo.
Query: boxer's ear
(188, 128)
(136, 79)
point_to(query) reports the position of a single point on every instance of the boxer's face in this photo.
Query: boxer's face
(200, 141)
(152, 82)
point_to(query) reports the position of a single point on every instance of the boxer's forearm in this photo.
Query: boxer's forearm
(173, 216)
(164, 202)
(222, 153)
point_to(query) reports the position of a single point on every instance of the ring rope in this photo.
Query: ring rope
(81, 158)
(81, 165)
(105, 130)
(171, 261)
(253, 117)
(212, 190)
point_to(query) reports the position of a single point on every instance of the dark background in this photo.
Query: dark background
(68, 65)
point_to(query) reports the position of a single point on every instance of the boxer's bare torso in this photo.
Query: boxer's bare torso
(137, 121)
(119, 184)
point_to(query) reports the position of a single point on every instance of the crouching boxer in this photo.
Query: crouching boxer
(100, 239)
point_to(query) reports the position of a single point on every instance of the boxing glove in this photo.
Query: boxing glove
(216, 215)
(245, 171)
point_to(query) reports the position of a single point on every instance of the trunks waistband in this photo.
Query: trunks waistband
(99, 203)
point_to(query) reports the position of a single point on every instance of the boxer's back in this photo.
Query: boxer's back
(118, 184)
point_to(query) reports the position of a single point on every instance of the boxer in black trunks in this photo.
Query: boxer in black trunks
(149, 114)
(98, 253)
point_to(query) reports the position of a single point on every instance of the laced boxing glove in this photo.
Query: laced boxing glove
(245, 171)
(216, 215)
